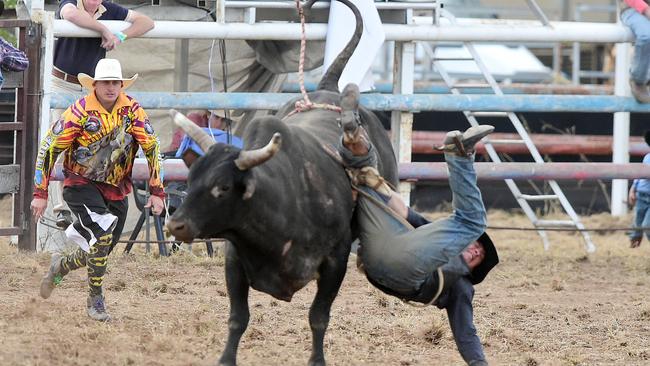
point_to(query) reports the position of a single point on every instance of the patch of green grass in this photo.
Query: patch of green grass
(8, 36)
(8, 33)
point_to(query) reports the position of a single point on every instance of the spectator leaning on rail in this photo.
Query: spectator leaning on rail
(11, 58)
(636, 15)
(99, 135)
(639, 197)
(74, 55)
(203, 118)
(428, 262)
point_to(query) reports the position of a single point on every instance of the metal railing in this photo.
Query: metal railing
(25, 126)
(576, 72)
(404, 35)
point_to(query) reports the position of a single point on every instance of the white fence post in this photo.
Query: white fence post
(621, 144)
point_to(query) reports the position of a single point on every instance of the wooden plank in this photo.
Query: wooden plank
(12, 79)
(10, 231)
(9, 178)
(11, 126)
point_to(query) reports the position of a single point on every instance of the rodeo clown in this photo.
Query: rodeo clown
(99, 135)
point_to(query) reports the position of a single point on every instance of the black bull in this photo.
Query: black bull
(288, 219)
(283, 203)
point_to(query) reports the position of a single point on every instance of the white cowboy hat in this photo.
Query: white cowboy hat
(106, 69)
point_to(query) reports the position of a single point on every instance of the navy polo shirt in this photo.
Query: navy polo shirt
(75, 55)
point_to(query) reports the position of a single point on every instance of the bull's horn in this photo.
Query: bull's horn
(252, 158)
(195, 132)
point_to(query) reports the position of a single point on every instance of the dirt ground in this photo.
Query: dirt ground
(556, 307)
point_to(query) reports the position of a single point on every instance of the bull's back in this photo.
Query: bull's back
(324, 126)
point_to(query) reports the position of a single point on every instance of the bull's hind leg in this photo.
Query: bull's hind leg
(237, 286)
(331, 274)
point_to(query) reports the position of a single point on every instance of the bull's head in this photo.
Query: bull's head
(218, 183)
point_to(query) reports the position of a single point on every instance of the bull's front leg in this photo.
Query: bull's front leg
(237, 285)
(331, 274)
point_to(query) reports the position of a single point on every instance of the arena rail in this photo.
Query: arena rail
(175, 170)
(388, 102)
(546, 144)
(509, 88)
(485, 31)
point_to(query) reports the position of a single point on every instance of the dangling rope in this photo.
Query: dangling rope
(306, 104)
(224, 73)
(301, 62)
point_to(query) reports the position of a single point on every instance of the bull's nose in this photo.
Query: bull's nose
(180, 230)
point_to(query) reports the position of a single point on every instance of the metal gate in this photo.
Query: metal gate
(16, 178)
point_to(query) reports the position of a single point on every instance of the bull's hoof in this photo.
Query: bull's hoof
(227, 361)
(320, 362)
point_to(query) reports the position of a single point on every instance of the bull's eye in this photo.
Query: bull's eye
(216, 192)
(219, 191)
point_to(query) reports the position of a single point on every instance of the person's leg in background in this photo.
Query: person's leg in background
(640, 26)
(640, 209)
(641, 219)
(645, 200)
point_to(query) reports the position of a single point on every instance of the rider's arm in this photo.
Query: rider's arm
(461, 319)
(414, 218)
(396, 203)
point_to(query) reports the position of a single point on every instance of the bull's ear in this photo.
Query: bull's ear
(249, 183)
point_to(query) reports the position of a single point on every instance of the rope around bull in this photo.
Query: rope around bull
(306, 104)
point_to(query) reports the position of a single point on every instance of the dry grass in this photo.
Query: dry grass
(556, 307)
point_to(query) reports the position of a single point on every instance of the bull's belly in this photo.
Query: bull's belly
(283, 292)
(282, 281)
(280, 286)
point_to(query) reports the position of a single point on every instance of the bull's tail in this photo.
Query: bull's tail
(330, 80)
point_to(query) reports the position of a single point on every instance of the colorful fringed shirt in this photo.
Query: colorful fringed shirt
(100, 147)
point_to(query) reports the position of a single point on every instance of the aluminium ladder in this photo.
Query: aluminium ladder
(522, 199)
